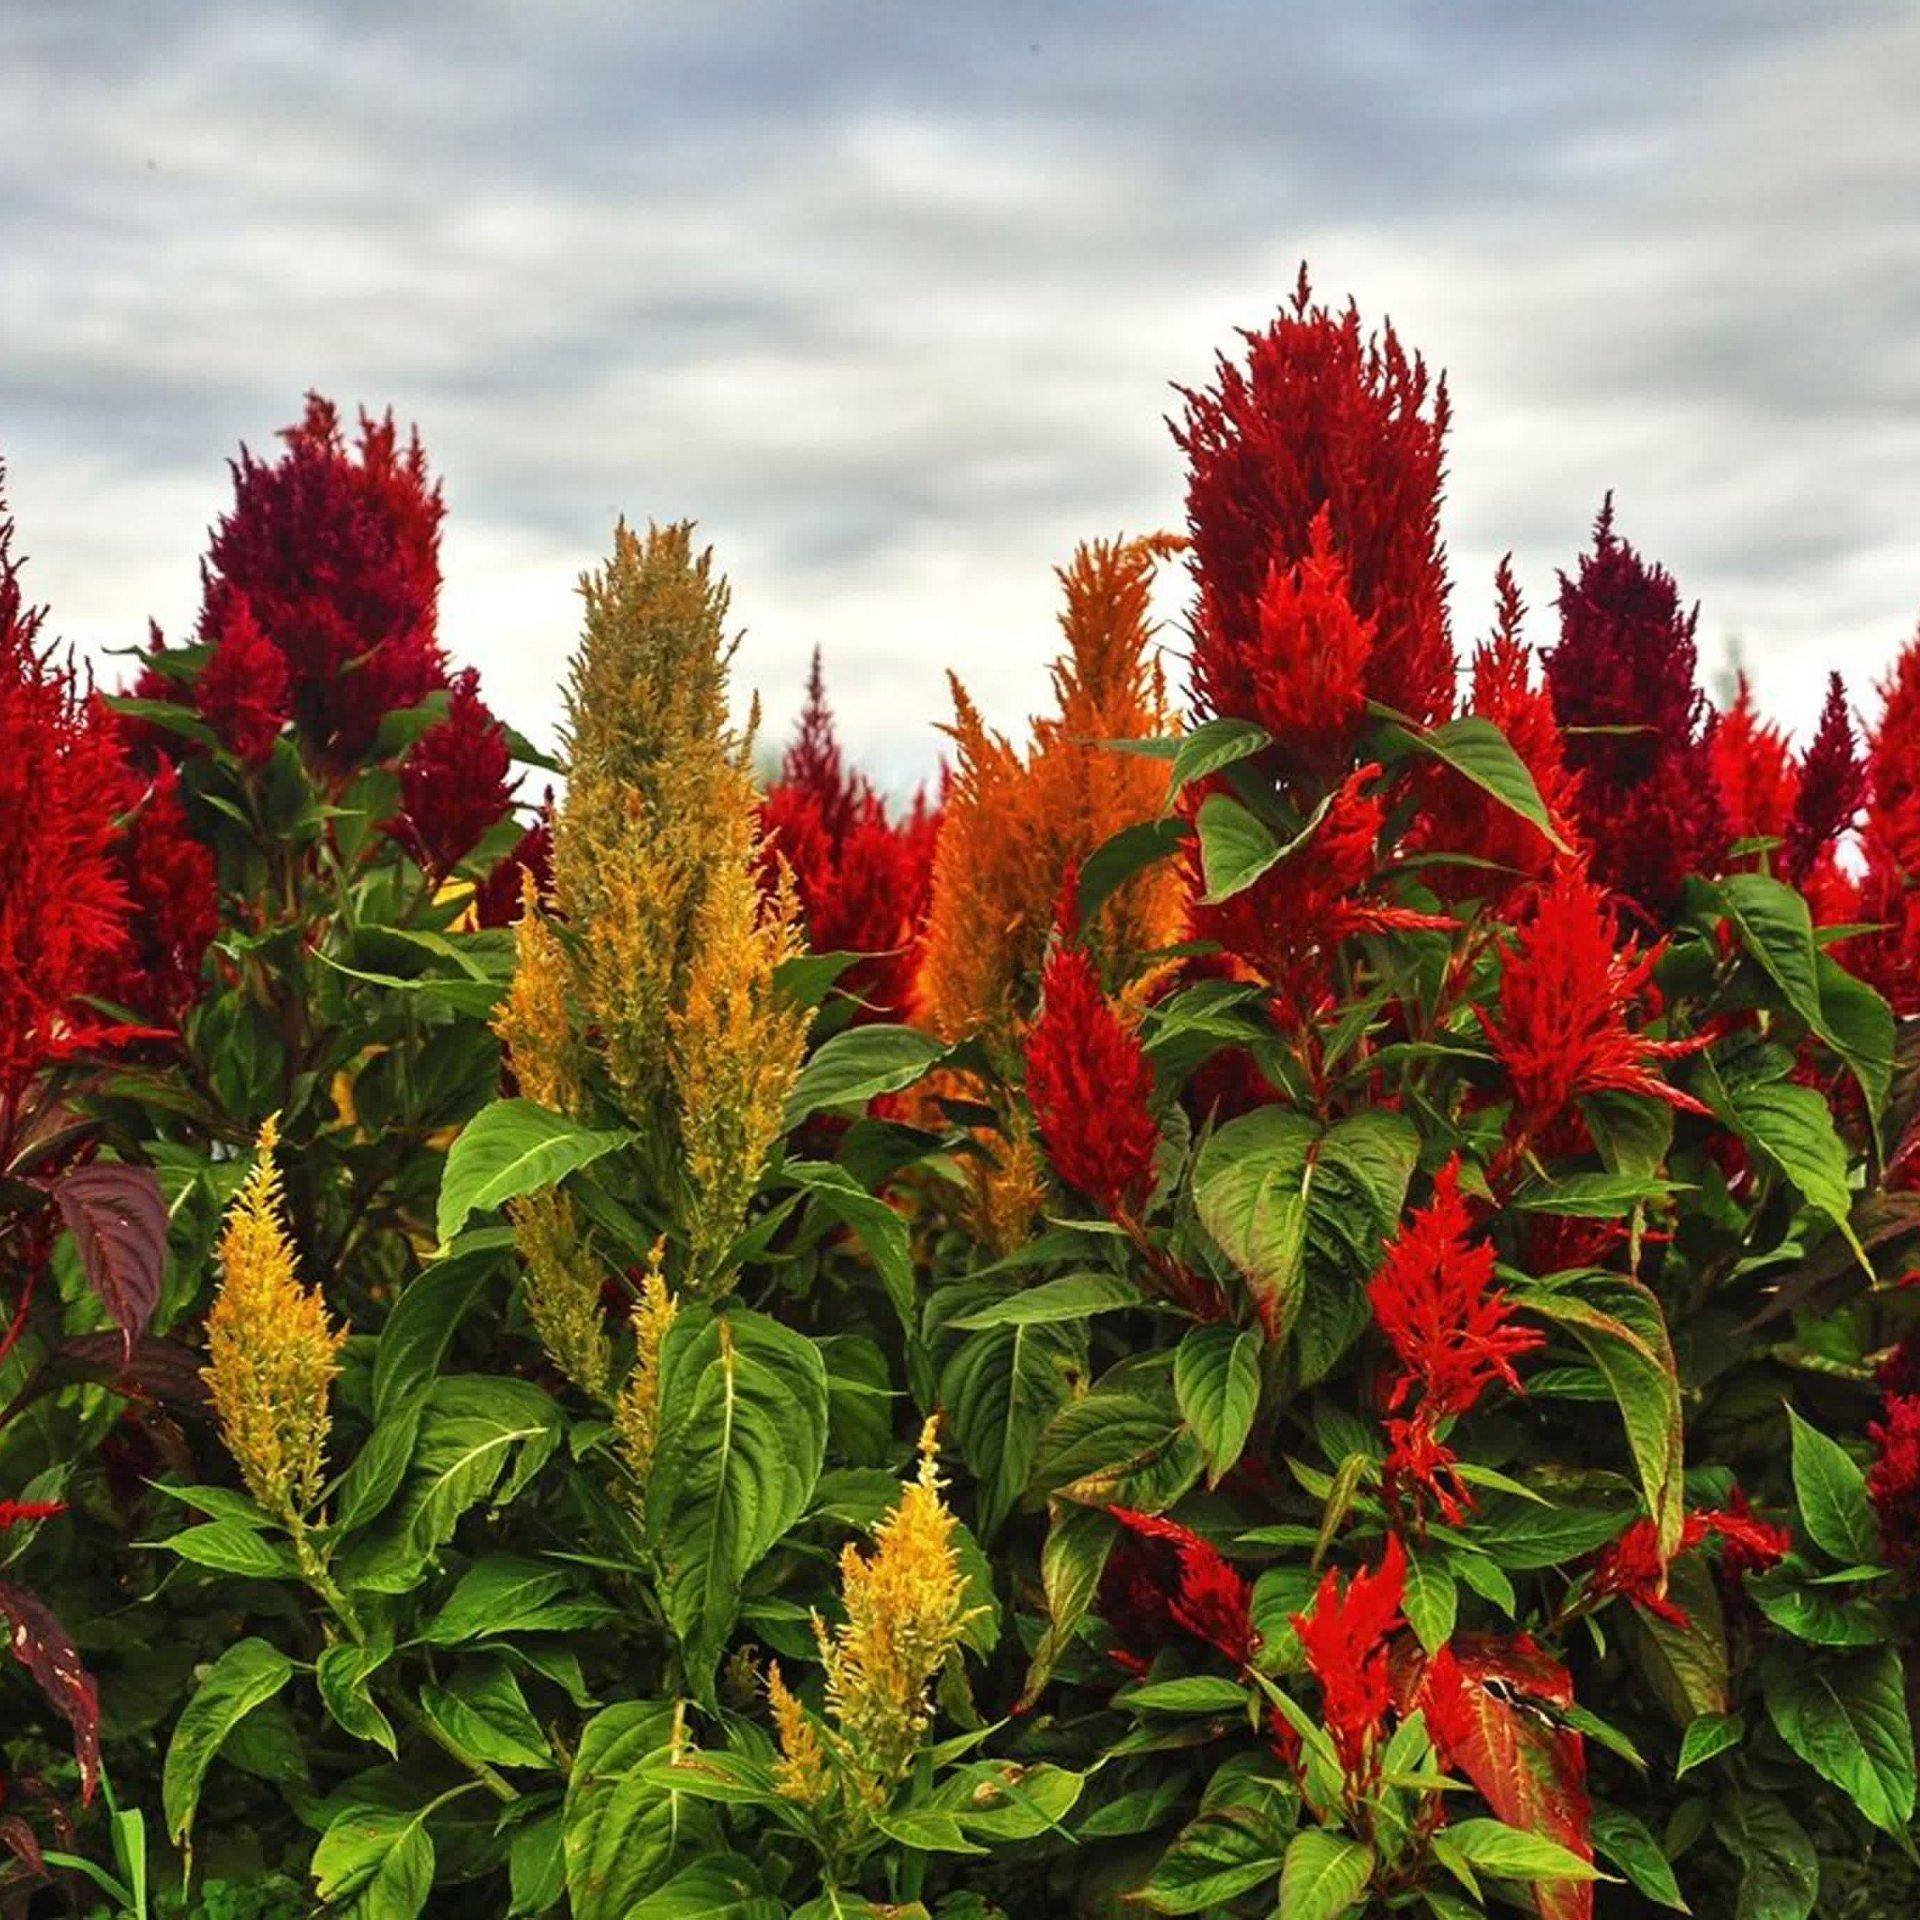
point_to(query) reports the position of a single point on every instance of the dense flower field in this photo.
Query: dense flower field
(1290, 1296)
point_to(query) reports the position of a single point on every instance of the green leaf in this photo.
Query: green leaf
(375, 1863)
(1001, 1388)
(1192, 1693)
(1074, 1296)
(1220, 1856)
(1822, 1615)
(854, 1067)
(1619, 1322)
(1792, 1127)
(425, 1317)
(1216, 1385)
(1706, 1738)
(341, 1674)
(246, 1676)
(1781, 1872)
(1324, 1875)
(881, 1229)
(1509, 1854)
(482, 1711)
(1116, 860)
(1114, 1447)
(724, 1886)
(743, 1430)
(504, 1594)
(1235, 848)
(1216, 743)
(1432, 1602)
(1845, 1715)
(1478, 751)
(1250, 1190)
(1832, 1492)
(537, 1866)
(622, 1830)
(1622, 1838)
(510, 1148)
(229, 1547)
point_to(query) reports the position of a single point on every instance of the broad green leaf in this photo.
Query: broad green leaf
(854, 1067)
(1235, 848)
(880, 1229)
(1622, 1838)
(1706, 1738)
(1845, 1715)
(1000, 1389)
(1216, 1385)
(743, 1430)
(375, 1863)
(1324, 1876)
(1432, 1601)
(504, 1594)
(510, 1148)
(246, 1676)
(1832, 1493)
(483, 1713)
(1221, 1855)
(1072, 1559)
(1191, 1693)
(723, 1886)
(425, 1317)
(1115, 861)
(1793, 1128)
(1249, 1188)
(1115, 1447)
(1780, 1877)
(229, 1547)
(1491, 1846)
(1478, 751)
(622, 1830)
(342, 1674)
(1214, 744)
(1074, 1296)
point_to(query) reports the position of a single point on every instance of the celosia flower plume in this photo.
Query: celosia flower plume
(1631, 1567)
(1162, 1582)
(1322, 453)
(1831, 790)
(171, 888)
(244, 691)
(454, 782)
(1753, 770)
(1345, 1635)
(1894, 1483)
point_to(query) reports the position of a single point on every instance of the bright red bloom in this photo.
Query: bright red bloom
(1460, 817)
(1566, 989)
(62, 905)
(1753, 770)
(1289, 925)
(1434, 1297)
(863, 878)
(1421, 1465)
(243, 690)
(23, 1513)
(1321, 421)
(1090, 1082)
(1894, 1483)
(171, 886)
(1748, 1544)
(497, 899)
(1623, 685)
(1162, 1580)
(337, 554)
(1631, 1567)
(1832, 790)
(454, 781)
(1890, 839)
(1345, 1636)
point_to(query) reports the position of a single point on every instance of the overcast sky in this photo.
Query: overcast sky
(889, 296)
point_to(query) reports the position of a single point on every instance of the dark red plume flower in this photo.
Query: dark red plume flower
(1567, 986)
(62, 906)
(1321, 427)
(1623, 685)
(243, 690)
(1090, 1085)
(172, 888)
(454, 782)
(1753, 770)
(1345, 1635)
(1833, 788)
(1163, 1581)
(497, 899)
(863, 878)
(336, 552)
(1894, 1483)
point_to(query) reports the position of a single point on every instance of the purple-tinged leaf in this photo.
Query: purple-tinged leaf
(45, 1648)
(119, 1222)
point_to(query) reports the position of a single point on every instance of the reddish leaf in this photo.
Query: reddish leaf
(1485, 1699)
(161, 1371)
(42, 1645)
(18, 1839)
(119, 1222)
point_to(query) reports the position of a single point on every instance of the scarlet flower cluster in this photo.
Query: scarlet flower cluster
(244, 690)
(454, 782)
(1632, 1567)
(1090, 1082)
(1345, 1635)
(1452, 1331)
(1894, 1483)
(1162, 1582)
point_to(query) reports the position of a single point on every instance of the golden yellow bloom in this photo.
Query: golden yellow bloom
(905, 1614)
(637, 1414)
(737, 1048)
(1007, 1184)
(561, 1286)
(535, 1020)
(801, 1772)
(1015, 824)
(271, 1355)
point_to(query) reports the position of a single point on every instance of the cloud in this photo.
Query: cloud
(890, 298)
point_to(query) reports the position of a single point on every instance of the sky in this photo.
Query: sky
(893, 297)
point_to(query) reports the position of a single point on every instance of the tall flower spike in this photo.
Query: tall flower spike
(1894, 1483)
(454, 782)
(272, 1357)
(244, 690)
(1753, 769)
(561, 1284)
(1320, 425)
(1567, 985)
(905, 1613)
(1089, 1082)
(1345, 1635)
(1163, 1580)
(637, 1416)
(63, 907)
(170, 882)
(1832, 790)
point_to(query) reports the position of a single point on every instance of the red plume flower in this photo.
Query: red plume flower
(1090, 1084)
(1753, 770)
(171, 887)
(1566, 989)
(454, 781)
(337, 554)
(1162, 1581)
(1344, 1635)
(1832, 790)
(1322, 426)
(1623, 684)
(243, 690)
(497, 899)
(24, 1513)
(863, 879)
(1631, 1568)
(1894, 1483)
(62, 906)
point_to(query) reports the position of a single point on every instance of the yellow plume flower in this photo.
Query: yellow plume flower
(1016, 824)
(801, 1773)
(906, 1612)
(561, 1286)
(535, 1021)
(271, 1355)
(637, 1414)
